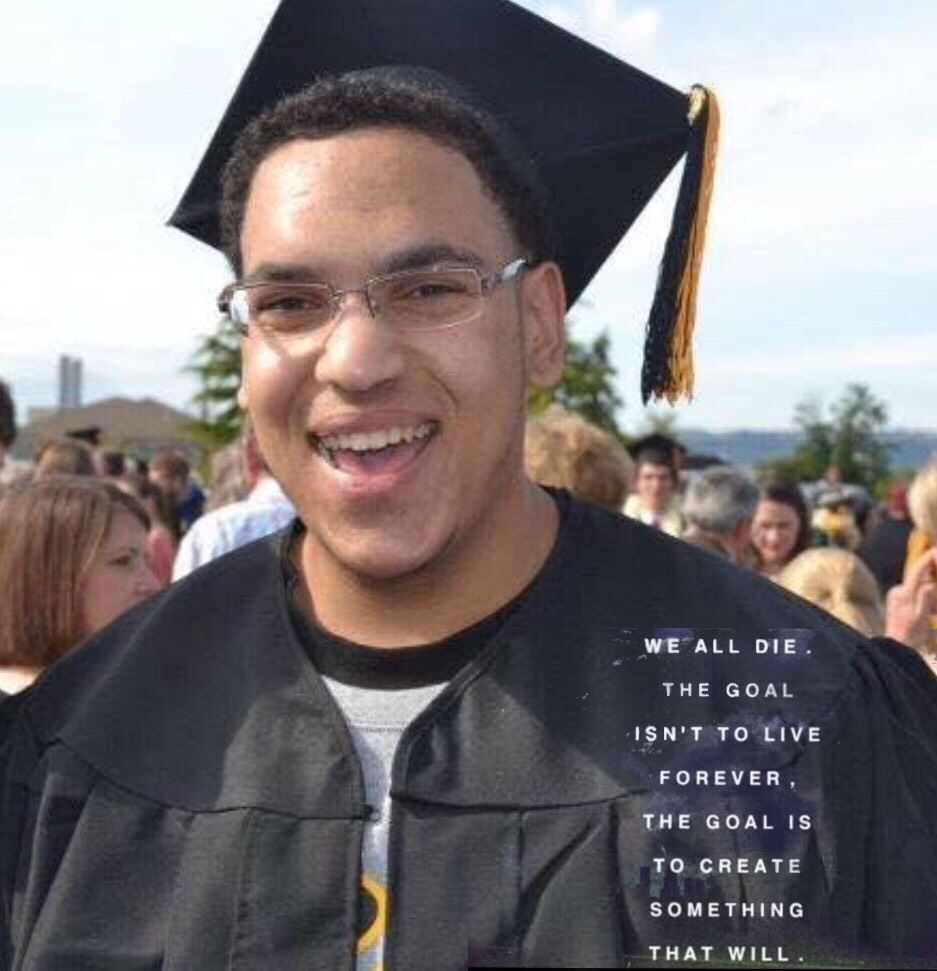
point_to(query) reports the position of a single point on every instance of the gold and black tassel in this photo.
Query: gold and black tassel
(668, 349)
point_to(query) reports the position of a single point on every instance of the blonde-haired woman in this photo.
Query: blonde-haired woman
(565, 450)
(840, 583)
(920, 568)
(922, 506)
(72, 559)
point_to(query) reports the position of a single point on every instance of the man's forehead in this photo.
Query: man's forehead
(384, 153)
(404, 198)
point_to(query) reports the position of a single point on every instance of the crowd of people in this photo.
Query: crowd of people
(80, 510)
(874, 567)
(87, 532)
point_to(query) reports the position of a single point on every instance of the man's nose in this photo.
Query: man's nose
(358, 352)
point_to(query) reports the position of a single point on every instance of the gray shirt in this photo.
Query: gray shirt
(376, 719)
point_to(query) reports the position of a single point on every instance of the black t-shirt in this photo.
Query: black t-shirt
(403, 667)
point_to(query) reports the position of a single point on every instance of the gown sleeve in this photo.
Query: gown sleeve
(894, 707)
(12, 813)
(89, 873)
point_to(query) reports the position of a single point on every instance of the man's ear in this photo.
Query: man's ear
(543, 299)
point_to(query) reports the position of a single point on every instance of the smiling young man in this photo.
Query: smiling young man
(404, 447)
(420, 728)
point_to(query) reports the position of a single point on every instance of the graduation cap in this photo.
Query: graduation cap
(658, 449)
(603, 135)
(91, 435)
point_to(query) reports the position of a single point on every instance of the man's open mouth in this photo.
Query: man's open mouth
(375, 452)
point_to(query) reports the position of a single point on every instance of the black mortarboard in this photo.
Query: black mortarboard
(603, 134)
(91, 435)
(657, 448)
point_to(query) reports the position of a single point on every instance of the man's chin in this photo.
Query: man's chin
(387, 570)
(375, 560)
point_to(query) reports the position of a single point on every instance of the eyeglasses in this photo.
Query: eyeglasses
(411, 300)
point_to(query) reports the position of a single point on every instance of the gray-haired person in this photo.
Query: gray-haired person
(718, 506)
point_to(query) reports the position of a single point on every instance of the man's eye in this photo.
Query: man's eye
(290, 302)
(429, 289)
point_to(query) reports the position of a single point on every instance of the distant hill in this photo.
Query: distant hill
(910, 449)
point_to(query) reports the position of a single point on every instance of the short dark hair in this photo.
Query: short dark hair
(397, 97)
(655, 456)
(7, 417)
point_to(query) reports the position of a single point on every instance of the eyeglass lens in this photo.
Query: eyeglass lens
(417, 299)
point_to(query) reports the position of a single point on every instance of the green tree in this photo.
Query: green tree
(849, 437)
(813, 457)
(217, 365)
(859, 451)
(792, 466)
(587, 386)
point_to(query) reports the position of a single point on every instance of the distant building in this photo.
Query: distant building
(70, 381)
(138, 427)
(36, 413)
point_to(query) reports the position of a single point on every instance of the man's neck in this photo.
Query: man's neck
(507, 552)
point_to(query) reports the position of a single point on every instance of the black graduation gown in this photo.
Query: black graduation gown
(182, 793)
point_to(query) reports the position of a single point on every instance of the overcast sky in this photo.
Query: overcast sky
(821, 267)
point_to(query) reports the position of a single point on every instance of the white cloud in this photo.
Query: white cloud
(827, 153)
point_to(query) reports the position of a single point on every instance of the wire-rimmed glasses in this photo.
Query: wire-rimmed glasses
(429, 298)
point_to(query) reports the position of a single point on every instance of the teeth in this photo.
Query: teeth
(373, 441)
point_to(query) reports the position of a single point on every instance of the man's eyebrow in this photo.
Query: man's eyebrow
(283, 273)
(428, 254)
(409, 258)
